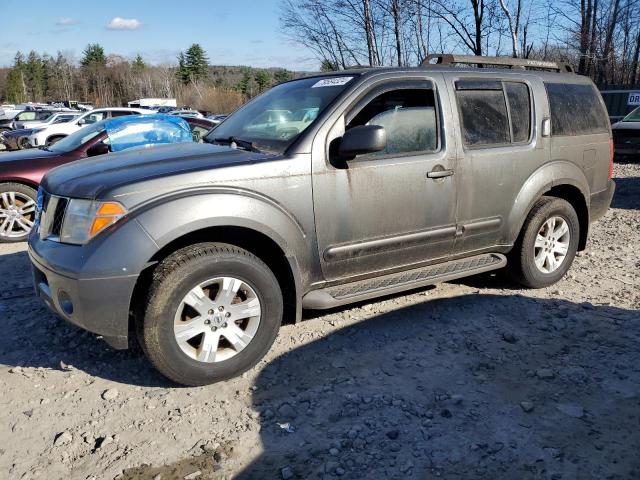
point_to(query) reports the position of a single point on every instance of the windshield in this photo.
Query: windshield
(274, 120)
(82, 136)
(634, 116)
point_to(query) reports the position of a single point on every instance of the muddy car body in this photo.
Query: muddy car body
(398, 183)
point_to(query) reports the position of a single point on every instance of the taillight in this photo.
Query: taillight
(611, 152)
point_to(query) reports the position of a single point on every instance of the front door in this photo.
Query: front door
(393, 209)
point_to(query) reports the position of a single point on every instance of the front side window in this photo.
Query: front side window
(275, 119)
(494, 113)
(94, 117)
(408, 117)
(575, 110)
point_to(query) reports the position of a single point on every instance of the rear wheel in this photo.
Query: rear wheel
(547, 245)
(213, 312)
(17, 211)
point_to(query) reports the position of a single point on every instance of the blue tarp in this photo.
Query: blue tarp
(135, 131)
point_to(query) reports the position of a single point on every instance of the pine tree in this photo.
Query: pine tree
(138, 63)
(263, 79)
(35, 77)
(93, 55)
(244, 85)
(16, 88)
(183, 72)
(196, 62)
(281, 76)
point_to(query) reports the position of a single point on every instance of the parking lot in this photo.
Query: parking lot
(472, 379)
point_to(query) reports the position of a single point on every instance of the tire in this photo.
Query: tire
(13, 198)
(23, 143)
(522, 259)
(168, 309)
(50, 141)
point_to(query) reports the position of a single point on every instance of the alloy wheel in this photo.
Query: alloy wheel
(17, 214)
(217, 319)
(552, 244)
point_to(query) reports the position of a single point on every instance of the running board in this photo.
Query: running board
(397, 282)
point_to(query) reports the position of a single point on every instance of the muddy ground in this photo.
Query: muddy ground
(472, 379)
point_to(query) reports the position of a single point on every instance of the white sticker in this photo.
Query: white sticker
(331, 82)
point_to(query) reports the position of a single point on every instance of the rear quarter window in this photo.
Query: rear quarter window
(575, 110)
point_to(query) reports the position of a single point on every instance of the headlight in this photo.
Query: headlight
(84, 219)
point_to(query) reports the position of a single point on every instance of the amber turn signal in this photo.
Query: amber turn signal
(107, 214)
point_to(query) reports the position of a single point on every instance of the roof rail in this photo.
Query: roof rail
(523, 63)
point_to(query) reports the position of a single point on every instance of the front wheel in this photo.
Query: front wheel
(547, 245)
(214, 310)
(17, 211)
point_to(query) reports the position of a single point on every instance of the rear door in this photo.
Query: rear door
(499, 126)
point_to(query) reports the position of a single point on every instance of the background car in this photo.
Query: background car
(217, 118)
(626, 136)
(21, 172)
(186, 113)
(47, 136)
(19, 139)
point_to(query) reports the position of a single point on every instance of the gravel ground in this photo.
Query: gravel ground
(471, 379)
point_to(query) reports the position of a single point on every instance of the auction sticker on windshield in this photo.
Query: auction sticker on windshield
(331, 82)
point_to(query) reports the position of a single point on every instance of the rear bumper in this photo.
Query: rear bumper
(601, 201)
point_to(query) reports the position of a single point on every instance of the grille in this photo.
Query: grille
(58, 217)
(52, 218)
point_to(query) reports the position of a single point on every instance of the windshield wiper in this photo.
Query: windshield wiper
(237, 142)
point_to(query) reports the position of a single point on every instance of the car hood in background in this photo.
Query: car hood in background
(25, 155)
(89, 177)
(626, 126)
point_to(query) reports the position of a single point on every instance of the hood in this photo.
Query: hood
(626, 126)
(88, 178)
(25, 155)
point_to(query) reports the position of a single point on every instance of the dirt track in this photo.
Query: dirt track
(472, 379)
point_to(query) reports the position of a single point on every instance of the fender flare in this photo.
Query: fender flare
(548, 176)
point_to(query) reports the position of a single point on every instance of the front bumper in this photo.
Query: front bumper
(601, 201)
(92, 285)
(100, 306)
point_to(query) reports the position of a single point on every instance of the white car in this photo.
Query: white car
(186, 113)
(45, 136)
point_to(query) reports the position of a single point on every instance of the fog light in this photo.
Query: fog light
(64, 300)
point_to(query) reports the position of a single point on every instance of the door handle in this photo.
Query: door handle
(435, 174)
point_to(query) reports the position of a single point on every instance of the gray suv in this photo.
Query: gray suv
(324, 191)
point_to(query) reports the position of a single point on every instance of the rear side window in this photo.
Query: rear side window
(494, 112)
(520, 110)
(484, 117)
(575, 110)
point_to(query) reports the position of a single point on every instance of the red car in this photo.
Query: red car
(22, 171)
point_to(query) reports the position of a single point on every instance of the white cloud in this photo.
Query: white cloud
(67, 21)
(119, 23)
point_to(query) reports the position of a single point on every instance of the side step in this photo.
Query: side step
(397, 282)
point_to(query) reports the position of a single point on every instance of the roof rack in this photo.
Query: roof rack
(522, 63)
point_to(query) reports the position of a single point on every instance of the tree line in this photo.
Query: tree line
(599, 38)
(113, 80)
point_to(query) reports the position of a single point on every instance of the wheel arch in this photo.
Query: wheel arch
(23, 181)
(558, 179)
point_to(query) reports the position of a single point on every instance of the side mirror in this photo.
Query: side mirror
(363, 139)
(98, 149)
(82, 121)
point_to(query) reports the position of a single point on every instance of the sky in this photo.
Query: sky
(232, 32)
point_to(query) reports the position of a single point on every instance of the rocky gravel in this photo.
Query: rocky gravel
(471, 379)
